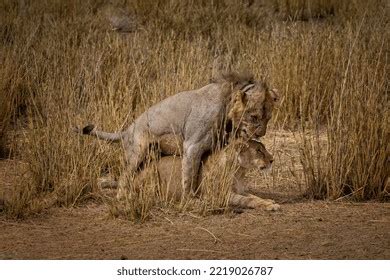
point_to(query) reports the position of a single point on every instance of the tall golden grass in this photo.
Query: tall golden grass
(63, 65)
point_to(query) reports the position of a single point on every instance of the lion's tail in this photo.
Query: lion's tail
(90, 130)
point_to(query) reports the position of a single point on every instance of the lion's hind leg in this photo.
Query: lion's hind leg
(136, 153)
(252, 201)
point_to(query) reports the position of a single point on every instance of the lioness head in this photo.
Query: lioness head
(254, 155)
(251, 109)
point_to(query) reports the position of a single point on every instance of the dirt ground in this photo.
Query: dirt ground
(303, 229)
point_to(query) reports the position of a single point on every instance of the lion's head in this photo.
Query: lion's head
(251, 109)
(254, 155)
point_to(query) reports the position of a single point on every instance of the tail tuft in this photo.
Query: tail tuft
(87, 129)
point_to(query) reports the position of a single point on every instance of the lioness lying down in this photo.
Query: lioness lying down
(249, 155)
(198, 120)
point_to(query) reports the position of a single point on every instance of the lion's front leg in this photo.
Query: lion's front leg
(252, 201)
(269, 204)
(190, 167)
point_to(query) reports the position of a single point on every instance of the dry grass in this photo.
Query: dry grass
(216, 186)
(149, 189)
(62, 65)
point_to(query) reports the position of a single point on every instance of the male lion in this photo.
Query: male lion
(251, 155)
(197, 119)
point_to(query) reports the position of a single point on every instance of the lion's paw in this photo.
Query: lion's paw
(273, 207)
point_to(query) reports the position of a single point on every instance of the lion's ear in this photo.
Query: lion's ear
(275, 96)
(245, 89)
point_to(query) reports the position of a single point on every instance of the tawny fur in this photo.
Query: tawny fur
(250, 155)
(197, 121)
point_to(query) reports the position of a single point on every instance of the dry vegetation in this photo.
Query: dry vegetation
(63, 65)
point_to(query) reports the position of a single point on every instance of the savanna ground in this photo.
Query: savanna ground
(62, 65)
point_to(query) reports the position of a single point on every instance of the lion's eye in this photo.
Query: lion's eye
(255, 118)
(259, 151)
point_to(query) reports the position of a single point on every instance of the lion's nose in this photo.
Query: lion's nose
(271, 160)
